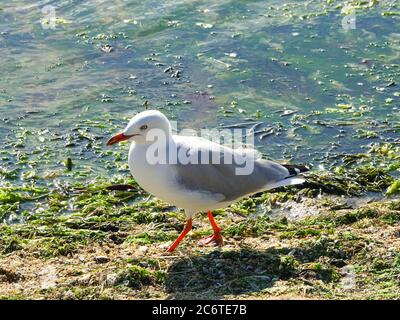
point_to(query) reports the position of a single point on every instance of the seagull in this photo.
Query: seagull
(161, 167)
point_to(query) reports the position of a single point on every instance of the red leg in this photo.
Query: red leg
(216, 237)
(213, 223)
(187, 228)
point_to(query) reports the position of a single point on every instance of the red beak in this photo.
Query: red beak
(118, 138)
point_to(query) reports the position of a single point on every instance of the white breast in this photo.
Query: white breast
(153, 178)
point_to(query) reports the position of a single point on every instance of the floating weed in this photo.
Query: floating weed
(368, 134)
(347, 181)
(8, 196)
(394, 188)
(390, 13)
(9, 174)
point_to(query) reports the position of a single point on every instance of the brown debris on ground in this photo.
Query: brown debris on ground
(300, 261)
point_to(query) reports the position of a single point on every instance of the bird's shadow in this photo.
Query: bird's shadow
(244, 271)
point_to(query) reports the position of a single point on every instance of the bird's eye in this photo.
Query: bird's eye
(143, 127)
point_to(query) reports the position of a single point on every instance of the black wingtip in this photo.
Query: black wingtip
(295, 169)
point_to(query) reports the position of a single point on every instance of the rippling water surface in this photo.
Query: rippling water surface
(69, 83)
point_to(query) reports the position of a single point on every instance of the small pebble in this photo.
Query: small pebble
(101, 259)
(165, 245)
(143, 249)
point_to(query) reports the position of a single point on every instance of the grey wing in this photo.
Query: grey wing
(223, 178)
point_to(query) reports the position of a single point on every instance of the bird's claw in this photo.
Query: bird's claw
(213, 240)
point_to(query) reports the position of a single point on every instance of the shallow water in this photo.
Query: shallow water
(291, 66)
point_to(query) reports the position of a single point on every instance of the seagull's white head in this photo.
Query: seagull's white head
(142, 127)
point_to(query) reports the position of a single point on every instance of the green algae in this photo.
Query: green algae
(319, 246)
(136, 277)
(394, 188)
(237, 61)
